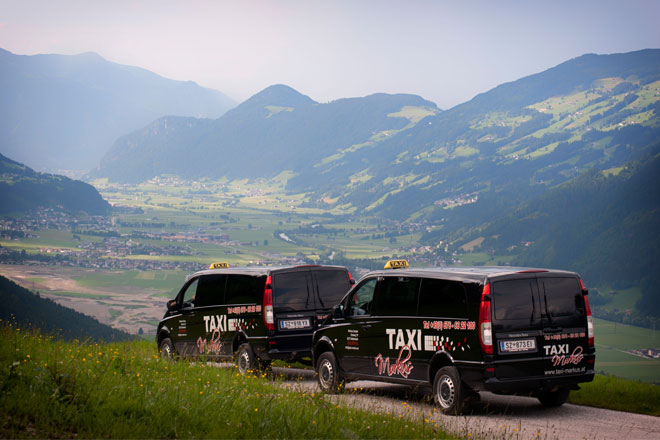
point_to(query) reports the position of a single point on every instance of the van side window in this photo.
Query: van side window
(188, 298)
(244, 289)
(210, 290)
(360, 301)
(563, 296)
(442, 298)
(513, 299)
(397, 296)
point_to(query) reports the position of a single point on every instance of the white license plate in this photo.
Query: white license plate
(518, 345)
(291, 324)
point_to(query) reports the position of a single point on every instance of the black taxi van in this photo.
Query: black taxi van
(460, 331)
(253, 313)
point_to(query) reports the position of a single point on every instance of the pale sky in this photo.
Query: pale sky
(445, 51)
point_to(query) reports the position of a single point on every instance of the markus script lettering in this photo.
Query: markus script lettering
(402, 366)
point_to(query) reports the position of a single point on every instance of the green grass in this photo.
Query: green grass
(619, 394)
(622, 299)
(612, 342)
(54, 389)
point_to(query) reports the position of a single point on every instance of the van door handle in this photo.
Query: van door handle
(366, 326)
(552, 330)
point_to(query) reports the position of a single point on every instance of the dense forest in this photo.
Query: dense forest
(23, 189)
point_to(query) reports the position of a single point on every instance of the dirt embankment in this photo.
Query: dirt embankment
(123, 307)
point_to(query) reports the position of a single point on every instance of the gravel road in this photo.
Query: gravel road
(493, 417)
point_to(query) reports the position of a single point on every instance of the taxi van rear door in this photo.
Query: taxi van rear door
(565, 340)
(517, 326)
(330, 285)
(294, 308)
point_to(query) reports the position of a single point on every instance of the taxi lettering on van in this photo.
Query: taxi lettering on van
(215, 322)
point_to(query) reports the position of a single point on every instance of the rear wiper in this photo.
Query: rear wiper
(318, 295)
(547, 312)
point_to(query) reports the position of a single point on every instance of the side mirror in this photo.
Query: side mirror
(172, 305)
(338, 311)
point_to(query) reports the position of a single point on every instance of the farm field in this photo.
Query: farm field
(614, 340)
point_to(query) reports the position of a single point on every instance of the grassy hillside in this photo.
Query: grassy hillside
(604, 225)
(53, 389)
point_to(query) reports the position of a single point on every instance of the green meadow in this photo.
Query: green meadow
(56, 389)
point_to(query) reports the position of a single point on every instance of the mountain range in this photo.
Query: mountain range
(400, 156)
(275, 130)
(63, 112)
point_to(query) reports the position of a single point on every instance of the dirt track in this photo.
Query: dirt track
(493, 417)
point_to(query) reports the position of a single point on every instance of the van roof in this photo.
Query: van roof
(261, 270)
(468, 273)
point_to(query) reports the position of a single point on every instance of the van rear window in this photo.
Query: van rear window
(513, 299)
(332, 285)
(290, 290)
(563, 296)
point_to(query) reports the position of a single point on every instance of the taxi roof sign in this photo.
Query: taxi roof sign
(219, 266)
(397, 264)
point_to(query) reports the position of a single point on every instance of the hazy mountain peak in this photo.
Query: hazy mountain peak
(279, 95)
(62, 112)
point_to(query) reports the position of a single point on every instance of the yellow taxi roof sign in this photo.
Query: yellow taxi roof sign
(219, 266)
(397, 264)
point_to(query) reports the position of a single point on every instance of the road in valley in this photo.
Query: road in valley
(493, 417)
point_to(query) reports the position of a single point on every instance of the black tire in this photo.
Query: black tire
(552, 399)
(327, 373)
(448, 392)
(166, 349)
(246, 361)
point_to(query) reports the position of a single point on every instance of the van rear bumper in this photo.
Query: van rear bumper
(532, 384)
(285, 347)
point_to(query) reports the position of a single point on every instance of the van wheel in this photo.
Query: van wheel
(327, 372)
(246, 361)
(554, 398)
(166, 349)
(448, 391)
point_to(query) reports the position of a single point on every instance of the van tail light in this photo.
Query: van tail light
(590, 319)
(351, 281)
(269, 319)
(485, 326)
